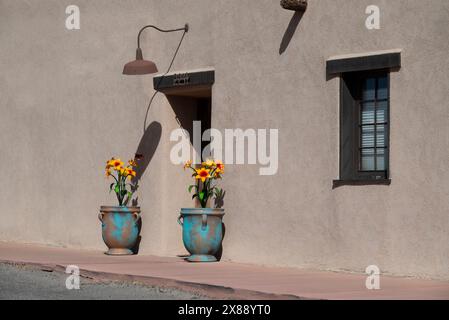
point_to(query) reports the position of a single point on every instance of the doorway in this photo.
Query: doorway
(189, 109)
(190, 96)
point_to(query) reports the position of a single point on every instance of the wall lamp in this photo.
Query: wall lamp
(141, 66)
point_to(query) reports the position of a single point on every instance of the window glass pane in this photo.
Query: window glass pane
(367, 137)
(368, 112)
(382, 90)
(381, 165)
(369, 89)
(382, 115)
(370, 92)
(380, 136)
(367, 160)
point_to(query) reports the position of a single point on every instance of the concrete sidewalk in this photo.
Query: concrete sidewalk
(223, 280)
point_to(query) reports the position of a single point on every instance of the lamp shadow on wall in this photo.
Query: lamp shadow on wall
(290, 32)
(145, 152)
(147, 148)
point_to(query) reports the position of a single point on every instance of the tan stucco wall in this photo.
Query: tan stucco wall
(66, 108)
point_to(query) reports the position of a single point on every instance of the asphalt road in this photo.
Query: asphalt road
(28, 283)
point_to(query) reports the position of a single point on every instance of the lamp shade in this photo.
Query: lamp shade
(139, 66)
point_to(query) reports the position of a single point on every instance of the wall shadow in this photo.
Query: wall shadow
(189, 109)
(331, 76)
(290, 32)
(136, 247)
(219, 199)
(144, 154)
(185, 112)
(220, 251)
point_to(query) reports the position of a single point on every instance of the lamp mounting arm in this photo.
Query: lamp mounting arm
(185, 29)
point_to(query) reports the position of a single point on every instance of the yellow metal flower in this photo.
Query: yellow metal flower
(110, 164)
(208, 163)
(117, 164)
(188, 165)
(132, 163)
(202, 174)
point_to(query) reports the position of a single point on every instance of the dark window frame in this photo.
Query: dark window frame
(351, 89)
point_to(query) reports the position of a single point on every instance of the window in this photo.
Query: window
(364, 136)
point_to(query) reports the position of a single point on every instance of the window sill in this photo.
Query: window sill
(341, 183)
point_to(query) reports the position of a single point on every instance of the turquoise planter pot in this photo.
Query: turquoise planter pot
(120, 229)
(202, 233)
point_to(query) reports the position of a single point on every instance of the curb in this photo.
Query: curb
(212, 292)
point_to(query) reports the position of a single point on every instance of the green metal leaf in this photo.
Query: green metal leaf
(130, 194)
(191, 187)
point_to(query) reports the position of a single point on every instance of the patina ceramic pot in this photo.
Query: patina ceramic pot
(295, 5)
(120, 229)
(202, 233)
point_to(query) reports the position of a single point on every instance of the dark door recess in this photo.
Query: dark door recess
(190, 96)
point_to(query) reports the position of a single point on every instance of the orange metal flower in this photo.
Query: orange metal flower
(130, 173)
(220, 167)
